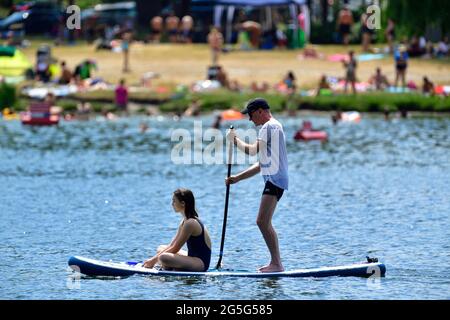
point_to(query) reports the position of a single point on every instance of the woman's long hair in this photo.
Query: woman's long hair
(187, 197)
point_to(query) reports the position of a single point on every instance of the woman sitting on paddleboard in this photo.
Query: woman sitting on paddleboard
(190, 231)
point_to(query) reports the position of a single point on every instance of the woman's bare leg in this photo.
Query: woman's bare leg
(179, 262)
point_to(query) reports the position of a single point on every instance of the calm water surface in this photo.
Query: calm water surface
(103, 190)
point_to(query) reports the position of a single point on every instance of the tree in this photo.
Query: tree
(185, 7)
(324, 6)
(415, 16)
(146, 10)
(6, 3)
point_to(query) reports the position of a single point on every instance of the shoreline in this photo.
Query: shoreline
(180, 102)
(100, 107)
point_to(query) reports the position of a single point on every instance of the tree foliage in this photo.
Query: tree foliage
(415, 16)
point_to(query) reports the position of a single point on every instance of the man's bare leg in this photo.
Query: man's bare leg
(264, 222)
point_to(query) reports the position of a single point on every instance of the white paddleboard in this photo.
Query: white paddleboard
(97, 268)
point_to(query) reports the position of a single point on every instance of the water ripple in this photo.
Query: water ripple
(103, 189)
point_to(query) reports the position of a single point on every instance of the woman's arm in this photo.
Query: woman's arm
(185, 232)
(153, 260)
(177, 243)
(177, 235)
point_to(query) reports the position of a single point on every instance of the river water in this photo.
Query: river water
(103, 190)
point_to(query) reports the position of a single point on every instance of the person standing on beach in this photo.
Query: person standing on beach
(401, 64)
(345, 23)
(172, 24)
(187, 24)
(156, 25)
(273, 165)
(366, 33)
(350, 75)
(215, 40)
(390, 35)
(121, 97)
(126, 39)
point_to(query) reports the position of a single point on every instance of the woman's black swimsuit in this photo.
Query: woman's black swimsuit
(198, 248)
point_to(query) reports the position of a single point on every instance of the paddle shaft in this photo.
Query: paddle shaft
(225, 214)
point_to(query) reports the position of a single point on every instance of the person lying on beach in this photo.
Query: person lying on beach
(191, 232)
(262, 87)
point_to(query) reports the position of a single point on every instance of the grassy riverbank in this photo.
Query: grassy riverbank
(185, 64)
(368, 102)
(223, 99)
(373, 102)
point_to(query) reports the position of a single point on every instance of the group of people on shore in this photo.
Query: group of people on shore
(416, 46)
(83, 71)
(421, 47)
(84, 108)
(177, 30)
(345, 23)
(288, 84)
(379, 81)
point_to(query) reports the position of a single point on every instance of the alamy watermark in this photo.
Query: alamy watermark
(74, 20)
(74, 278)
(210, 146)
(374, 280)
(373, 17)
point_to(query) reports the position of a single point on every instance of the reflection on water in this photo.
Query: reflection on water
(103, 189)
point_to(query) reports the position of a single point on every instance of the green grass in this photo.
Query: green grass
(223, 99)
(8, 97)
(377, 102)
(370, 102)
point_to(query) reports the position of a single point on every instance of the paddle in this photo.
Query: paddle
(227, 195)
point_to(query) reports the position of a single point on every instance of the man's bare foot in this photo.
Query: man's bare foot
(272, 268)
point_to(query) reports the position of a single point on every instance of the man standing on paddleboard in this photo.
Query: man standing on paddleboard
(273, 165)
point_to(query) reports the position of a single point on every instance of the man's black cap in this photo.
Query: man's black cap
(255, 104)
